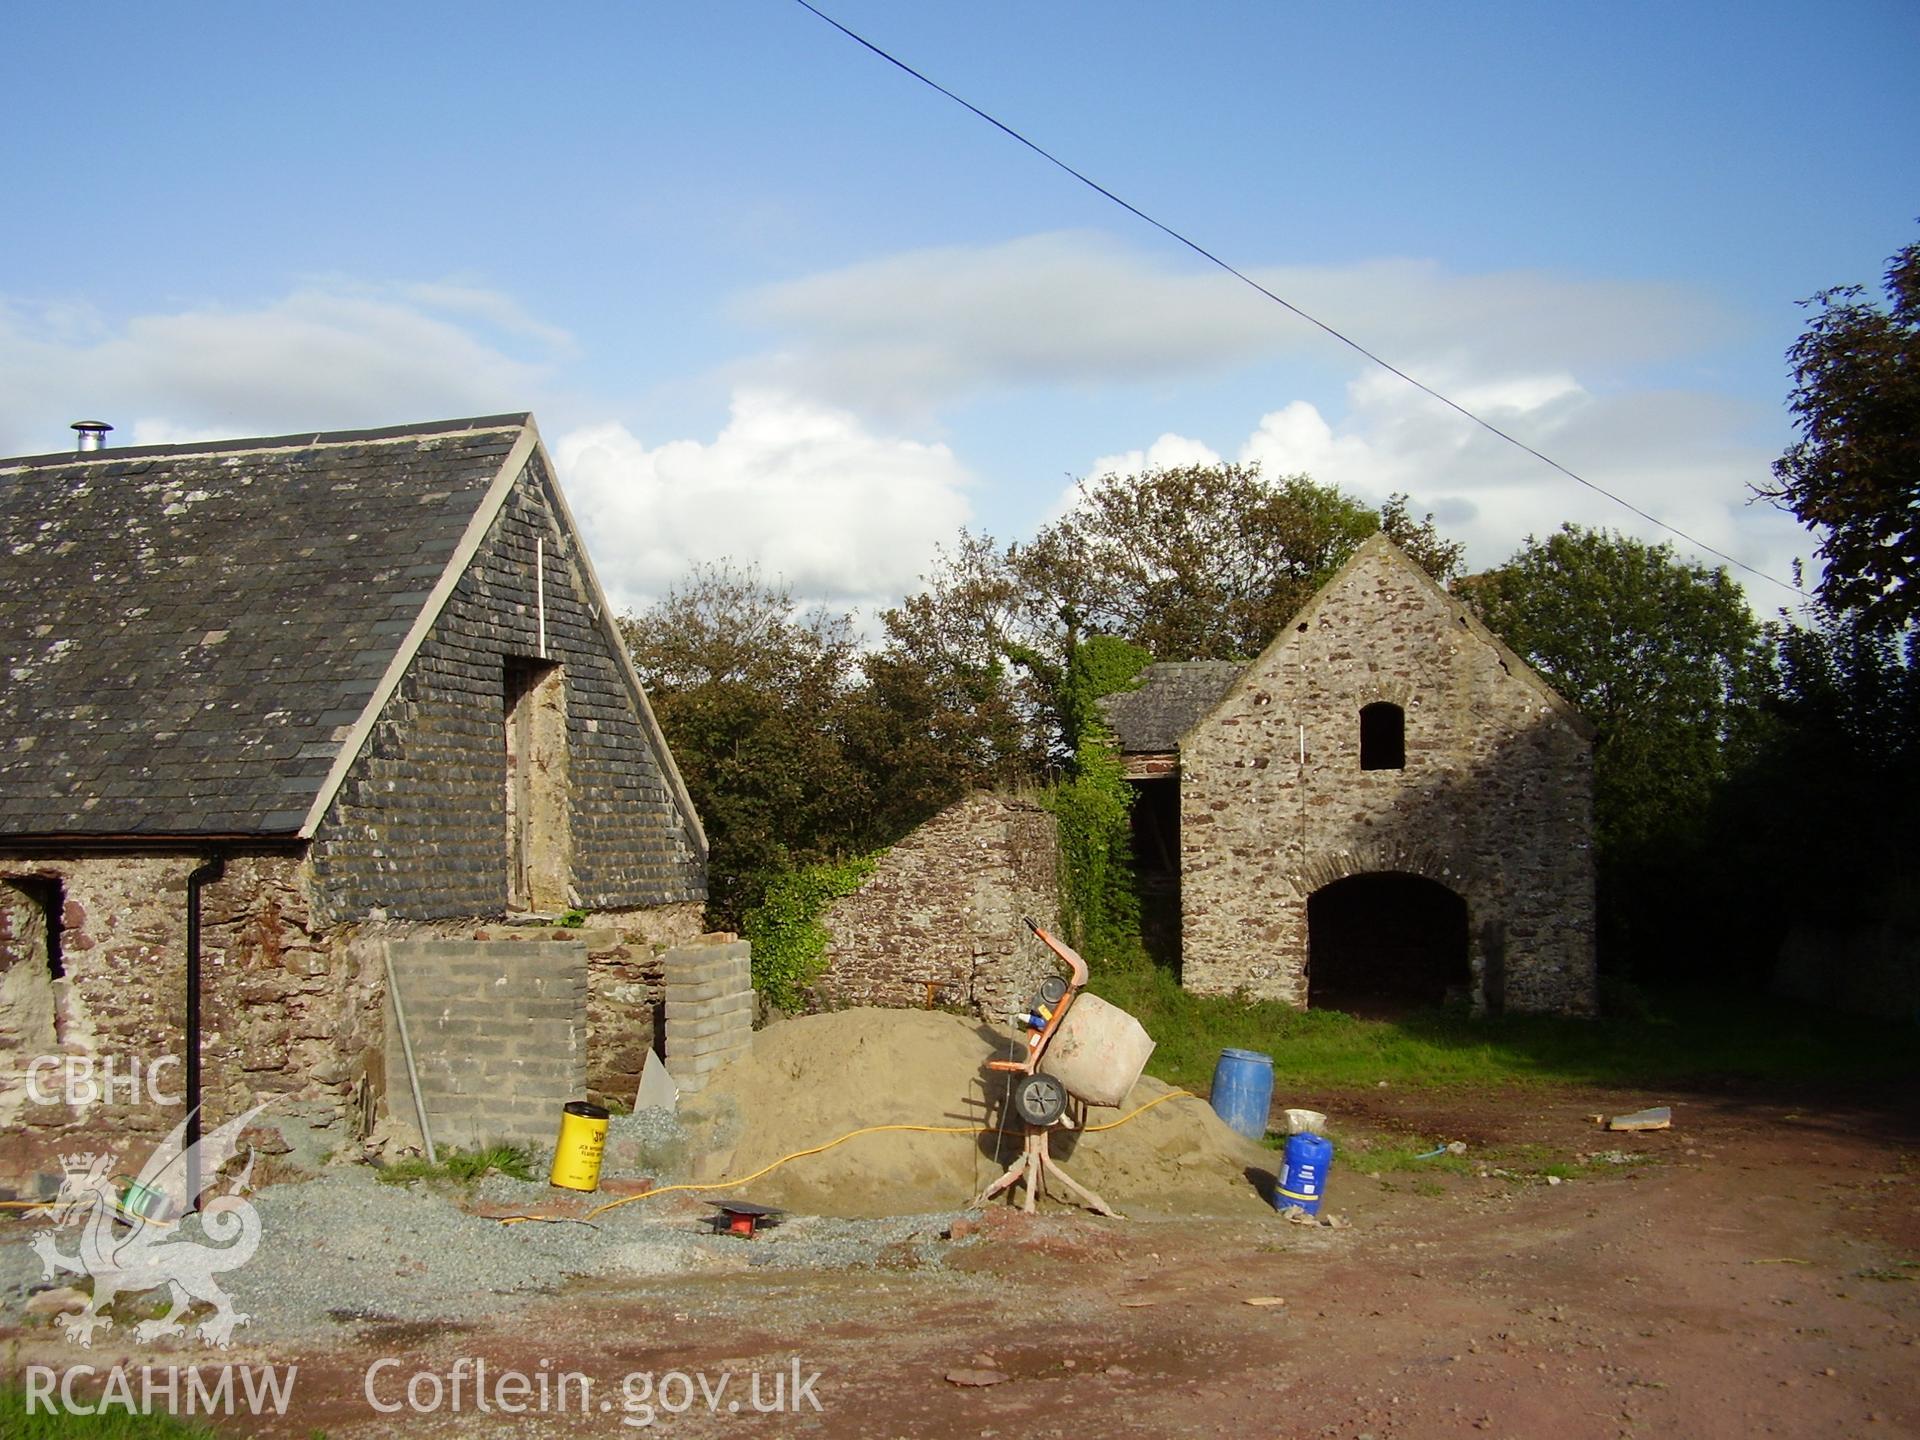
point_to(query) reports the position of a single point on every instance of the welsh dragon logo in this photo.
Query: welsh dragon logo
(128, 1248)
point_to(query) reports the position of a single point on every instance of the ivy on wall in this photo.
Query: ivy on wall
(1099, 902)
(789, 942)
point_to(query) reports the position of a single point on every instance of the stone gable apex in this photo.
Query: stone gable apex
(1380, 549)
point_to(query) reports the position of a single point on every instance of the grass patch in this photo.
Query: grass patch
(1382, 1156)
(17, 1424)
(1386, 1157)
(462, 1165)
(1680, 1036)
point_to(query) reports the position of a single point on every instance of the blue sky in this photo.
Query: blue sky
(772, 299)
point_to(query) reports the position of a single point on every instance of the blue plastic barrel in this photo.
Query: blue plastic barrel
(1243, 1090)
(1303, 1173)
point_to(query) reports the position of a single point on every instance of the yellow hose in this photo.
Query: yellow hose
(818, 1149)
(764, 1169)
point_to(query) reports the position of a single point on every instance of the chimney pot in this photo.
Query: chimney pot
(91, 435)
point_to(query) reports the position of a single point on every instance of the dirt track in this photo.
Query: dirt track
(1754, 1277)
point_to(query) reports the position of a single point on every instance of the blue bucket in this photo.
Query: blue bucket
(1242, 1090)
(1303, 1173)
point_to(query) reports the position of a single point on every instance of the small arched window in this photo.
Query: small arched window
(1383, 737)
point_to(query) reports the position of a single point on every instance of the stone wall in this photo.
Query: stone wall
(1494, 802)
(945, 908)
(284, 1011)
(290, 1011)
(481, 1081)
(419, 829)
(709, 1008)
(121, 933)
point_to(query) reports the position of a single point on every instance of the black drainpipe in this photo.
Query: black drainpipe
(207, 872)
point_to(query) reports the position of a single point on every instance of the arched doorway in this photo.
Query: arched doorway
(1383, 943)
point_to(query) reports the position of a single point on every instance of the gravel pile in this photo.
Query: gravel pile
(344, 1249)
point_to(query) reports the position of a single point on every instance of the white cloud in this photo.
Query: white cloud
(933, 326)
(1668, 453)
(840, 512)
(1169, 452)
(837, 512)
(326, 356)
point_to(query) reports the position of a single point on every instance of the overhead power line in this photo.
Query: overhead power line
(1197, 248)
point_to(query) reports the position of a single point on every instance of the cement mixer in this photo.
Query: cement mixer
(1077, 1046)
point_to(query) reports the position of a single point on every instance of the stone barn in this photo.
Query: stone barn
(291, 721)
(1386, 807)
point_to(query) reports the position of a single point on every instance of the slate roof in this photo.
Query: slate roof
(191, 631)
(1169, 699)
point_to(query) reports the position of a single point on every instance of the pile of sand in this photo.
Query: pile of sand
(810, 1080)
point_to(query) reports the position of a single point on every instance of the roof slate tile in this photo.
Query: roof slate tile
(178, 621)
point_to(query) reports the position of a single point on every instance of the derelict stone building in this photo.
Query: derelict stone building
(1387, 804)
(941, 920)
(273, 704)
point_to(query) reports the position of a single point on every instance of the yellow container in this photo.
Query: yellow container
(583, 1140)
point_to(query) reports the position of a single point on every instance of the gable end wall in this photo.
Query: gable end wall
(1495, 801)
(418, 830)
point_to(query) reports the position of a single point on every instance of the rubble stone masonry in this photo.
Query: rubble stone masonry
(1495, 799)
(945, 910)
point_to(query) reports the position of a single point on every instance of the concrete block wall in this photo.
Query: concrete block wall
(499, 1032)
(709, 1009)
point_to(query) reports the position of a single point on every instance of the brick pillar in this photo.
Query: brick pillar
(709, 1009)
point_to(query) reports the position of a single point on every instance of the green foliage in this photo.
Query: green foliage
(1441, 558)
(114, 1424)
(1098, 904)
(755, 704)
(1197, 562)
(1670, 665)
(1664, 657)
(572, 919)
(789, 942)
(942, 711)
(1686, 1036)
(463, 1165)
(1830, 792)
(1854, 475)
(798, 746)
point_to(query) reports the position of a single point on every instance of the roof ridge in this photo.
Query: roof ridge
(301, 440)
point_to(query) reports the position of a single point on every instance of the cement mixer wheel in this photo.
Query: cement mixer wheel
(1039, 1100)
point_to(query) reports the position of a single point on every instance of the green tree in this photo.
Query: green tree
(1835, 790)
(1664, 657)
(943, 710)
(1440, 557)
(754, 699)
(1202, 561)
(1853, 477)
(1196, 562)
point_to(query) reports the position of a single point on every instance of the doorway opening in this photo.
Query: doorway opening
(32, 968)
(1154, 819)
(539, 826)
(1382, 944)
